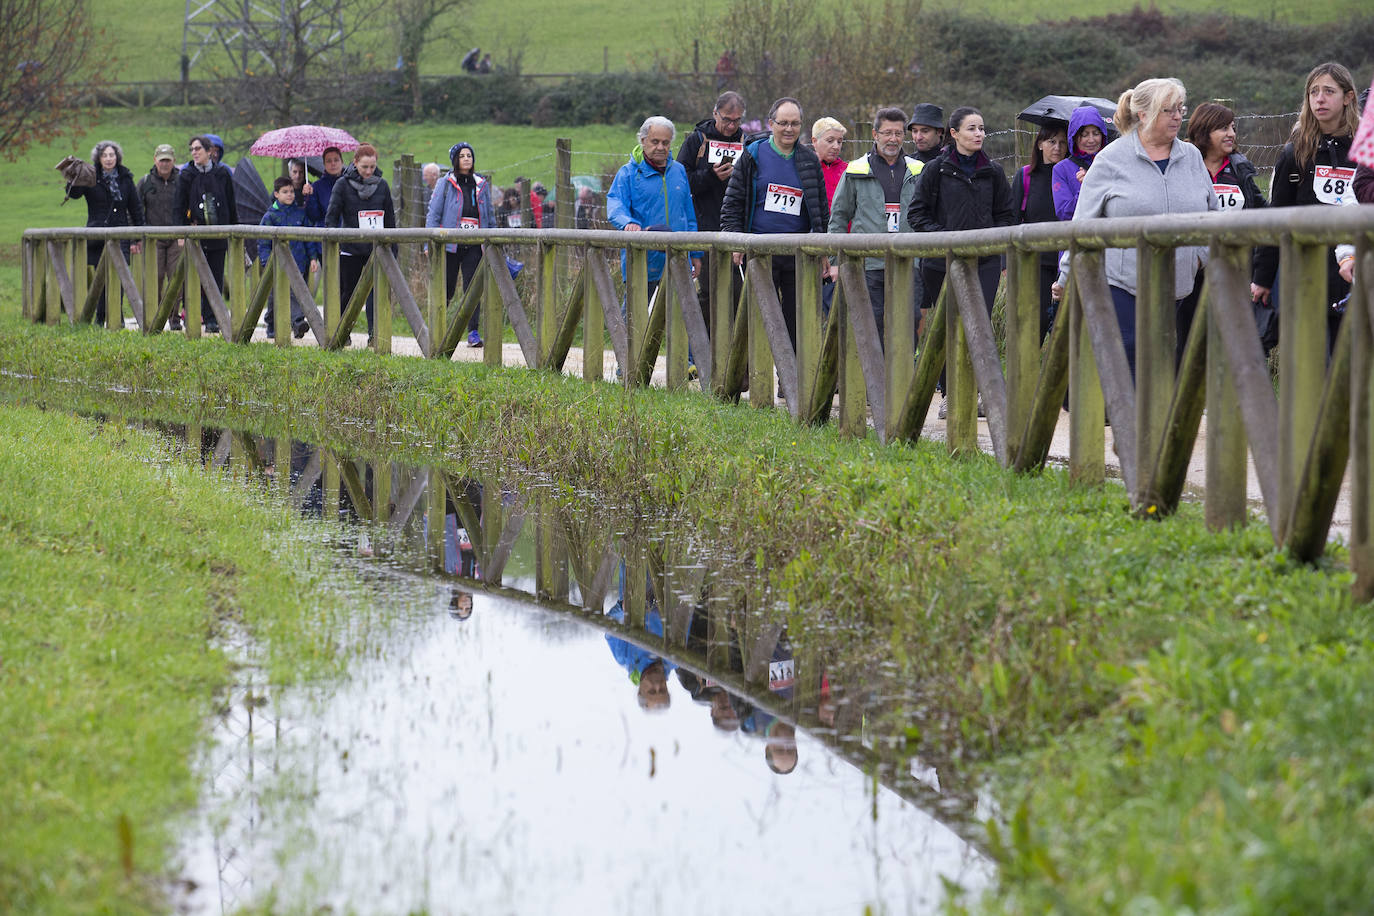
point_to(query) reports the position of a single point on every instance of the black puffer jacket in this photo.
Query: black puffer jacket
(1292, 187)
(708, 191)
(347, 201)
(949, 200)
(195, 189)
(101, 207)
(737, 210)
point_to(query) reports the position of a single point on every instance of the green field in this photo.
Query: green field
(587, 35)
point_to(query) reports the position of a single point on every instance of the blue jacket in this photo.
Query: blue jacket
(317, 204)
(662, 202)
(301, 252)
(629, 656)
(446, 206)
(1064, 178)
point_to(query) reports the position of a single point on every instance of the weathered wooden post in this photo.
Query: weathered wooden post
(1023, 342)
(1302, 361)
(565, 200)
(1087, 406)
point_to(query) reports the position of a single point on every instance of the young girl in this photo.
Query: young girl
(1315, 167)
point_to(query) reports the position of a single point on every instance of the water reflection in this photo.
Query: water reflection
(650, 737)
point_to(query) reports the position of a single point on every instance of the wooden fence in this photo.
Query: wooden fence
(1301, 439)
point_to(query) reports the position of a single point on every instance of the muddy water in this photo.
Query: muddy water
(567, 710)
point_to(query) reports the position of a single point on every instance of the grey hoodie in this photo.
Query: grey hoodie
(1124, 181)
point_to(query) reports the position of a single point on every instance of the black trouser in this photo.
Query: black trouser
(704, 287)
(215, 258)
(933, 279)
(465, 260)
(350, 272)
(785, 282)
(93, 251)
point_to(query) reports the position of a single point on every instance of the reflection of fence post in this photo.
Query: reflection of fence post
(437, 512)
(329, 492)
(551, 553)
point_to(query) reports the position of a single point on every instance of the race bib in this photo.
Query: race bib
(782, 199)
(513, 220)
(718, 151)
(1230, 196)
(780, 674)
(894, 213)
(371, 219)
(468, 222)
(1333, 185)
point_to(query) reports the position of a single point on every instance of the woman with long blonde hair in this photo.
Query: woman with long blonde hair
(1315, 168)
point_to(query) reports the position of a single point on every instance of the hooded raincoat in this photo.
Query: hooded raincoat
(653, 200)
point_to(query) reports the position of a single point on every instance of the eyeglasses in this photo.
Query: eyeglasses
(726, 120)
(196, 148)
(890, 134)
(1177, 111)
(787, 125)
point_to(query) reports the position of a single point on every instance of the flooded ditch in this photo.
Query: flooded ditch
(567, 709)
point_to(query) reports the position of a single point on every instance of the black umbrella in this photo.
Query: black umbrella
(250, 193)
(1055, 109)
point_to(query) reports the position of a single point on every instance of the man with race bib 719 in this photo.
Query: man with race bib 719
(777, 187)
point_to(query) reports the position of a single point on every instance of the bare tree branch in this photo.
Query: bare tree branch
(50, 61)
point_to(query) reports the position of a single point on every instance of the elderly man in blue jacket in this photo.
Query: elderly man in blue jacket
(652, 192)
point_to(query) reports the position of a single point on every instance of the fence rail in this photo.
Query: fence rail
(1301, 440)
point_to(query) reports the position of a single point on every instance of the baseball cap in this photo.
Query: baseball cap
(164, 151)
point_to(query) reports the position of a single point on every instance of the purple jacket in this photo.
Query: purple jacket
(1064, 178)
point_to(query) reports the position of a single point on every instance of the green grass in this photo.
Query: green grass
(583, 35)
(1168, 717)
(117, 574)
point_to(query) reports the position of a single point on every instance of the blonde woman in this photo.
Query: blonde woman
(1148, 172)
(827, 139)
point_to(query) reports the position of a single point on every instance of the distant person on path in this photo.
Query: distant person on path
(318, 192)
(284, 212)
(725, 70)
(1212, 129)
(1147, 172)
(651, 191)
(827, 140)
(874, 191)
(112, 201)
(205, 197)
(485, 65)
(927, 126)
(1087, 137)
(469, 62)
(158, 192)
(1315, 168)
(777, 187)
(429, 174)
(295, 168)
(361, 199)
(462, 201)
(709, 154)
(509, 215)
(1033, 186)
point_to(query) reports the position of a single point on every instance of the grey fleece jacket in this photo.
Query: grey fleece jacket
(1124, 181)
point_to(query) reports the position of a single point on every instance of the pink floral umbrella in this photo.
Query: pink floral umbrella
(302, 140)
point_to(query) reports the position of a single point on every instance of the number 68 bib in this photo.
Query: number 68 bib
(1332, 185)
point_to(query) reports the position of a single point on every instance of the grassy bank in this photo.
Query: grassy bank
(1169, 718)
(117, 575)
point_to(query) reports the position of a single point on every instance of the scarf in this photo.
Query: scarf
(110, 178)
